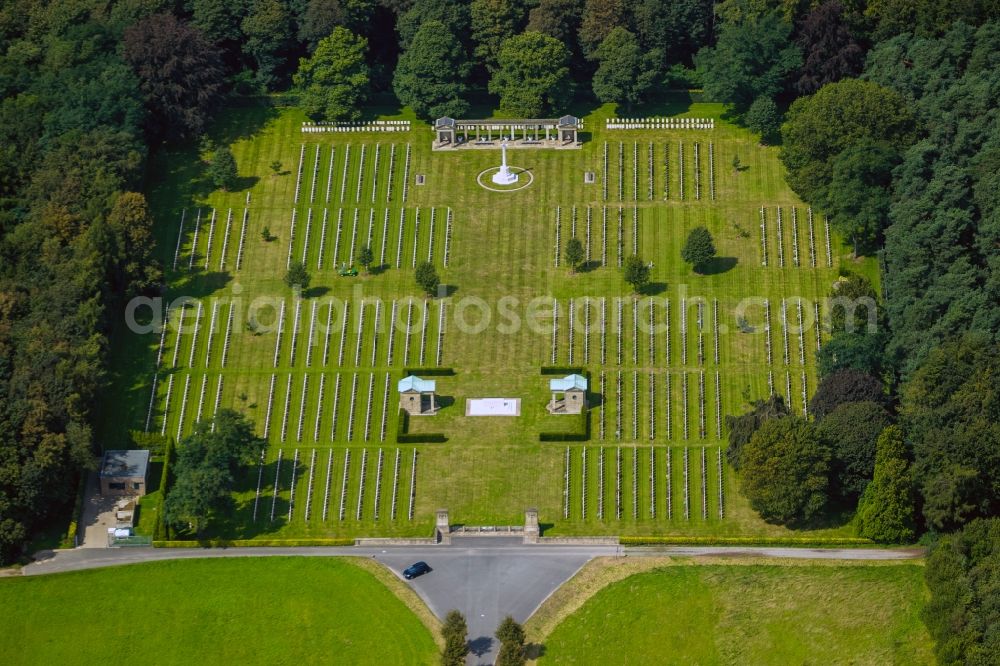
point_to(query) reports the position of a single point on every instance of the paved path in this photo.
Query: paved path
(486, 578)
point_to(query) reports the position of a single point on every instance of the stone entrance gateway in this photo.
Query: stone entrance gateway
(444, 531)
(563, 132)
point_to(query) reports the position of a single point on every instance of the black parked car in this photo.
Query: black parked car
(416, 569)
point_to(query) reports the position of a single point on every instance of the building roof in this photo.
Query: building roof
(444, 121)
(414, 383)
(132, 462)
(569, 121)
(568, 383)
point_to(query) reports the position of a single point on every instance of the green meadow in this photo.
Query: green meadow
(750, 614)
(242, 610)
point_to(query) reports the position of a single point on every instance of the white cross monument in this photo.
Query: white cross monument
(504, 175)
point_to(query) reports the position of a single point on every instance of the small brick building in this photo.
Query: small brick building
(124, 472)
(416, 396)
(574, 395)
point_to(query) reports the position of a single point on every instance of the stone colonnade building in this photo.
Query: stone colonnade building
(563, 132)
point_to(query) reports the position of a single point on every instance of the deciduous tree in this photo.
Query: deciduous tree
(784, 471)
(427, 278)
(859, 195)
(335, 80)
(820, 127)
(492, 23)
(533, 77)
(208, 462)
(675, 29)
(624, 73)
(366, 257)
(850, 432)
(844, 386)
(574, 253)
(753, 57)
(830, 51)
(267, 32)
(764, 118)
(556, 18)
(636, 273)
(599, 18)
(743, 426)
(136, 268)
(430, 76)
(454, 631)
(453, 14)
(180, 73)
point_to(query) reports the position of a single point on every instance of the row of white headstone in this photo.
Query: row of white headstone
(211, 237)
(659, 123)
(296, 473)
(652, 482)
(313, 129)
(795, 238)
(574, 314)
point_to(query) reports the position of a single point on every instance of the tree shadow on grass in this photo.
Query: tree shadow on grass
(244, 183)
(653, 288)
(669, 104)
(315, 292)
(242, 120)
(718, 265)
(201, 284)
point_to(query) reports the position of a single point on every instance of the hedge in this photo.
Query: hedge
(152, 441)
(422, 438)
(807, 542)
(69, 541)
(404, 436)
(161, 529)
(429, 372)
(582, 434)
(561, 370)
(563, 436)
(249, 543)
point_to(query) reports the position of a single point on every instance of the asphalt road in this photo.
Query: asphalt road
(487, 578)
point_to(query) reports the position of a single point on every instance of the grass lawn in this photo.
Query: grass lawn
(738, 612)
(241, 610)
(313, 389)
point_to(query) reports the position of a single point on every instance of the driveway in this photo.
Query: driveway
(488, 578)
(97, 516)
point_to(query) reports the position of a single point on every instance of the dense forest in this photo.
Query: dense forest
(888, 121)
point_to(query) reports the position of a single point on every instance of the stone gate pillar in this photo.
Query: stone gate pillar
(531, 531)
(442, 527)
